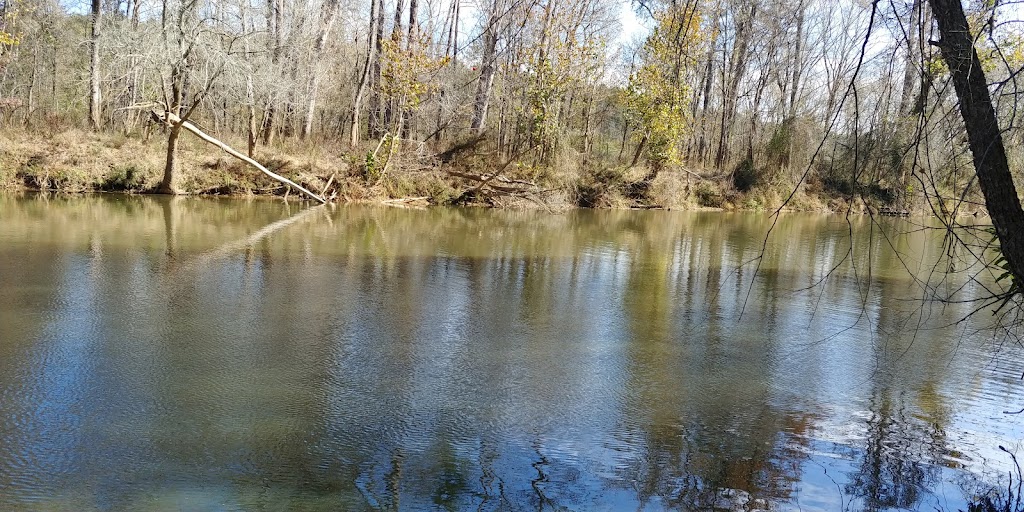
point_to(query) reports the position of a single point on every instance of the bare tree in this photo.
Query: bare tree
(370, 62)
(376, 128)
(328, 14)
(197, 52)
(733, 76)
(487, 68)
(274, 46)
(95, 105)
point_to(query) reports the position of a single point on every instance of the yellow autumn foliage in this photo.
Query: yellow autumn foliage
(9, 36)
(657, 96)
(406, 74)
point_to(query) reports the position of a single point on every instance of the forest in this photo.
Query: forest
(753, 104)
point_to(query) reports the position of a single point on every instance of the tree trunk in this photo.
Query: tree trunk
(169, 185)
(794, 88)
(703, 139)
(274, 31)
(55, 57)
(587, 120)
(639, 151)
(94, 68)
(135, 14)
(983, 134)
(330, 8)
(483, 86)
(178, 123)
(411, 47)
(375, 99)
(737, 68)
(390, 123)
(755, 113)
(253, 131)
(539, 135)
(451, 45)
(368, 63)
(396, 28)
(413, 25)
(450, 50)
(910, 71)
(903, 133)
(32, 86)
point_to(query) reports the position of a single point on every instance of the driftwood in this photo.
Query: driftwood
(406, 200)
(418, 203)
(889, 211)
(508, 186)
(491, 184)
(170, 118)
(691, 173)
(328, 185)
(494, 184)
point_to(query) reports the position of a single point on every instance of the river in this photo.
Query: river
(201, 354)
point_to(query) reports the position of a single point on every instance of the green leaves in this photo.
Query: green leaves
(1000, 262)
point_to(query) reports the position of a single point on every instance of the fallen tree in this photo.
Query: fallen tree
(493, 184)
(172, 120)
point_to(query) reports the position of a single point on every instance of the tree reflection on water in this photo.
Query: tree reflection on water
(190, 352)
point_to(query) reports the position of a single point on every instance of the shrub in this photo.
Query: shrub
(707, 195)
(123, 179)
(745, 177)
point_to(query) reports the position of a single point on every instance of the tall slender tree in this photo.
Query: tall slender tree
(370, 62)
(95, 100)
(487, 68)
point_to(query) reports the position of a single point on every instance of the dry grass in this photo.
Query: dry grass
(76, 160)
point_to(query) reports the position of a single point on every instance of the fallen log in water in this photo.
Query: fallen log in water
(171, 118)
(417, 203)
(400, 200)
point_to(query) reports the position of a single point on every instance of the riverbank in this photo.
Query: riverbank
(76, 161)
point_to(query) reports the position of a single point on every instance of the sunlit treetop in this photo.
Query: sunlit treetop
(658, 92)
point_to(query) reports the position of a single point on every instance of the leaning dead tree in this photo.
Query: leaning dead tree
(171, 119)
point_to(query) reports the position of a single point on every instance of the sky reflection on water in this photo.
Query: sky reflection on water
(213, 355)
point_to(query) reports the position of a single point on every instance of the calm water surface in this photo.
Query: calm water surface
(195, 354)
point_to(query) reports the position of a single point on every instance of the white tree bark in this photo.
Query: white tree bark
(175, 121)
(94, 68)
